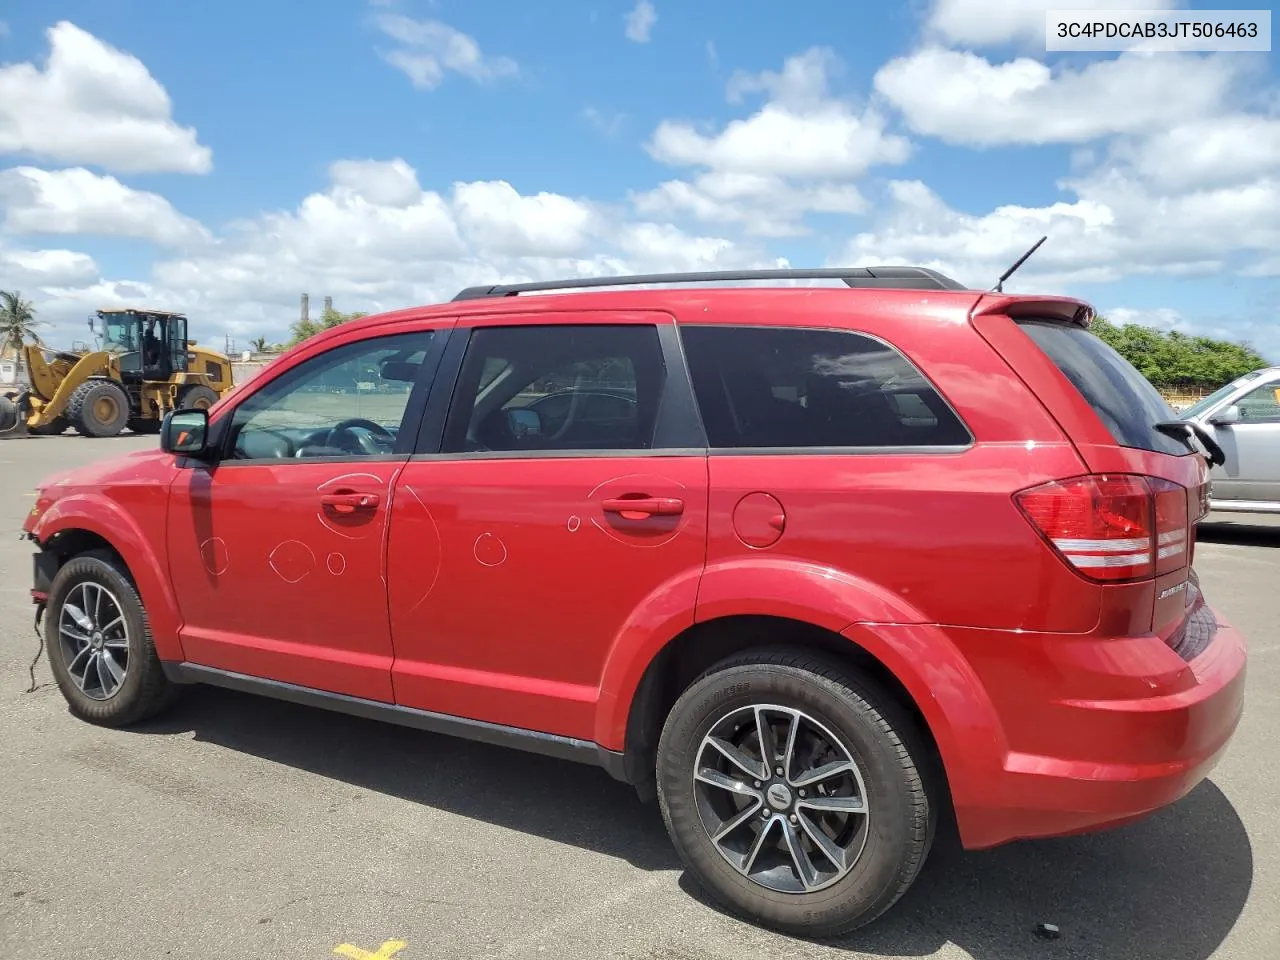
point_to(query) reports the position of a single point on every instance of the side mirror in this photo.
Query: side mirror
(185, 433)
(524, 423)
(1226, 416)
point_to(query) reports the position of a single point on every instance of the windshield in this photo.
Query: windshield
(1200, 406)
(119, 333)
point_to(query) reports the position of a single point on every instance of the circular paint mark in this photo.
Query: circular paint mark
(489, 550)
(292, 560)
(759, 520)
(336, 563)
(213, 552)
(574, 524)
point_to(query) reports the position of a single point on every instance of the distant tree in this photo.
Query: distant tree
(329, 318)
(1174, 360)
(259, 344)
(17, 322)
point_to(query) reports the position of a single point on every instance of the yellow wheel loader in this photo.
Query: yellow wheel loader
(145, 368)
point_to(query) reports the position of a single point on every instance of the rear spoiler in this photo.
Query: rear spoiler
(1065, 309)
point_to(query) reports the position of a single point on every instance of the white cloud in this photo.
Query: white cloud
(765, 206)
(640, 21)
(800, 132)
(76, 201)
(988, 22)
(429, 48)
(965, 99)
(373, 239)
(660, 247)
(798, 153)
(1218, 150)
(390, 183)
(1161, 318)
(1114, 227)
(94, 104)
(606, 123)
(497, 219)
(24, 269)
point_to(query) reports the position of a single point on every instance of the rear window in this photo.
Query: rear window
(1122, 397)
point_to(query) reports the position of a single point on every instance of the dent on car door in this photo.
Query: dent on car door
(276, 548)
(521, 548)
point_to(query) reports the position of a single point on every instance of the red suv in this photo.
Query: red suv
(808, 564)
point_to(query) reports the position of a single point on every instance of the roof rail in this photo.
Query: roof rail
(900, 278)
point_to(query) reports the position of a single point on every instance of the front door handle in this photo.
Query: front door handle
(348, 501)
(640, 508)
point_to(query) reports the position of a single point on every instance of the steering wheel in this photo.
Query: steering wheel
(366, 443)
(361, 422)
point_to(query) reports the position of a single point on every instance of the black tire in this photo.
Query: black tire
(54, 428)
(144, 691)
(881, 739)
(144, 425)
(98, 408)
(197, 397)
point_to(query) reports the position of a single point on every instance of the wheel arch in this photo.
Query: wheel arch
(81, 524)
(914, 664)
(695, 649)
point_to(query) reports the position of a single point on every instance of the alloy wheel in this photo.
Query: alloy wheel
(781, 797)
(94, 639)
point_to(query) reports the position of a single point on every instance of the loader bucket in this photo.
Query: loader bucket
(13, 419)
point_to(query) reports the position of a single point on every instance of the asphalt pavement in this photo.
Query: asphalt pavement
(237, 827)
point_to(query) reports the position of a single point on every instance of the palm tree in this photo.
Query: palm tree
(17, 323)
(259, 344)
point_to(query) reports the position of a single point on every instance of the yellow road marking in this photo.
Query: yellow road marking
(389, 949)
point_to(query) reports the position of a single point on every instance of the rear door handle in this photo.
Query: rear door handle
(641, 507)
(350, 501)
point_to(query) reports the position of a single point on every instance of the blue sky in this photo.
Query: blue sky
(222, 158)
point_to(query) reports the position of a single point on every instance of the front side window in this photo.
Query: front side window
(794, 387)
(557, 387)
(347, 402)
(1261, 405)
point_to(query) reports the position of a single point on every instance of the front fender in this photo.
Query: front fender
(100, 516)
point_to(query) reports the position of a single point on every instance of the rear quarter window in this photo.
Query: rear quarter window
(790, 387)
(1123, 399)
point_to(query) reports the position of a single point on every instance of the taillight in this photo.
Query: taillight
(1172, 526)
(1112, 527)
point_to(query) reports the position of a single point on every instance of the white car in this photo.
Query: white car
(1244, 418)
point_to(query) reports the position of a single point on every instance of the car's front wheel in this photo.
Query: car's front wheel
(793, 791)
(99, 644)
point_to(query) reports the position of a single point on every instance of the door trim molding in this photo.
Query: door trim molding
(531, 741)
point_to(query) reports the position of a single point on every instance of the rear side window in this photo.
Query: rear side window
(1121, 397)
(794, 387)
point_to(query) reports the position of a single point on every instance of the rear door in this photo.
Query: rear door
(561, 499)
(1110, 411)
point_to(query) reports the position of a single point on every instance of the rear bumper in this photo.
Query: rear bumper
(1153, 729)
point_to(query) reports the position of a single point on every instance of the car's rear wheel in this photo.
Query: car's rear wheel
(99, 643)
(793, 791)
